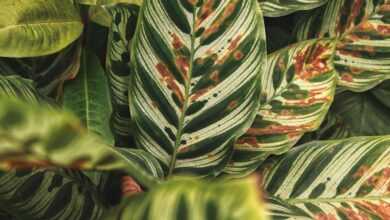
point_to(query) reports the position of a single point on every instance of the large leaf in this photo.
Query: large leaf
(363, 50)
(32, 135)
(196, 87)
(48, 72)
(298, 88)
(118, 68)
(50, 194)
(277, 8)
(88, 96)
(341, 179)
(37, 28)
(192, 199)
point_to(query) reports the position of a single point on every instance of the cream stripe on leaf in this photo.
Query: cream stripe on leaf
(277, 8)
(362, 57)
(196, 82)
(339, 179)
(298, 88)
(124, 20)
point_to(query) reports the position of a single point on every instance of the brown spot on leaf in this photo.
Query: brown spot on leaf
(129, 186)
(170, 81)
(238, 55)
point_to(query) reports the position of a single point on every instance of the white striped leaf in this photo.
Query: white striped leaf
(195, 88)
(363, 51)
(298, 88)
(341, 179)
(50, 194)
(278, 8)
(39, 27)
(122, 28)
(194, 199)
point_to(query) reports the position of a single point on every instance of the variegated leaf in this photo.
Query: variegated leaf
(196, 82)
(363, 28)
(50, 194)
(277, 8)
(109, 2)
(38, 136)
(118, 68)
(193, 199)
(341, 179)
(39, 27)
(298, 88)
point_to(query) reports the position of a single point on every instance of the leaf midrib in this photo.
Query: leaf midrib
(179, 132)
(38, 23)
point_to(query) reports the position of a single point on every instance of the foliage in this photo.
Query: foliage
(205, 109)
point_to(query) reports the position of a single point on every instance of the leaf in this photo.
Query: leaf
(362, 52)
(38, 28)
(118, 68)
(341, 179)
(109, 2)
(278, 8)
(196, 80)
(189, 198)
(50, 194)
(16, 86)
(298, 88)
(38, 136)
(88, 96)
(48, 72)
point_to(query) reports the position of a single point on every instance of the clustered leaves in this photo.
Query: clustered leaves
(205, 109)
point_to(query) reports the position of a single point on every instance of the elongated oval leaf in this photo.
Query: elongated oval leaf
(88, 96)
(277, 8)
(37, 28)
(298, 88)
(118, 68)
(194, 199)
(196, 82)
(32, 135)
(339, 179)
(362, 54)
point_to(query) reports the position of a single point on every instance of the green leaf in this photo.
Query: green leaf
(38, 28)
(362, 27)
(32, 135)
(333, 179)
(16, 86)
(278, 8)
(48, 72)
(50, 194)
(196, 80)
(192, 199)
(118, 68)
(109, 2)
(88, 96)
(298, 88)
